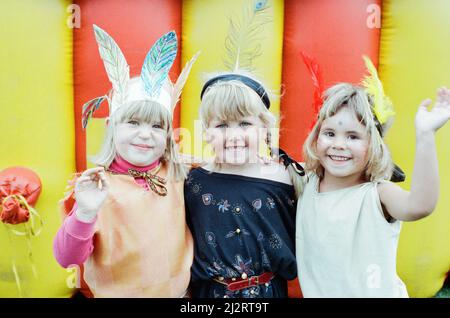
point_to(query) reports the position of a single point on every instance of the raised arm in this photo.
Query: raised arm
(421, 200)
(73, 242)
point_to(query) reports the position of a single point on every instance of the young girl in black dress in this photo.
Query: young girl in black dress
(241, 207)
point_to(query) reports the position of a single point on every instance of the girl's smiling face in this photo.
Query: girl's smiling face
(235, 142)
(140, 143)
(342, 145)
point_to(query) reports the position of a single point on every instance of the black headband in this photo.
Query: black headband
(254, 85)
(378, 125)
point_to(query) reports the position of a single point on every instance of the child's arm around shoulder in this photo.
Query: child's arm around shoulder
(273, 170)
(190, 161)
(422, 199)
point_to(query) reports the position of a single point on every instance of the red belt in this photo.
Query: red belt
(239, 283)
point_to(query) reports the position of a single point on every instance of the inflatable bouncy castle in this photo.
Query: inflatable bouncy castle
(50, 66)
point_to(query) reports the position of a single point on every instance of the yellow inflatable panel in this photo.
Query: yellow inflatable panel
(205, 26)
(414, 62)
(37, 131)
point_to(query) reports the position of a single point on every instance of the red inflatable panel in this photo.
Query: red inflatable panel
(337, 34)
(135, 26)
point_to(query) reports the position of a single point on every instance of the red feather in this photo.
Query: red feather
(316, 75)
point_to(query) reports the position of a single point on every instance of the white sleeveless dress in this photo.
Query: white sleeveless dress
(344, 245)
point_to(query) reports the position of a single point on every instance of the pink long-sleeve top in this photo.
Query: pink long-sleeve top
(73, 243)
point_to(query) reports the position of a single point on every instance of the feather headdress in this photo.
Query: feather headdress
(242, 46)
(316, 74)
(242, 43)
(154, 81)
(383, 108)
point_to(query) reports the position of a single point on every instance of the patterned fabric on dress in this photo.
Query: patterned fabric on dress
(240, 225)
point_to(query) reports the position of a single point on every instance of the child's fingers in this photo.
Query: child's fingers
(443, 99)
(425, 103)
(447, 94)
(83, 179)
(104, 182)
(92, 175)
(83, 182)
(441, 95)
(264, 160)
(93, 171)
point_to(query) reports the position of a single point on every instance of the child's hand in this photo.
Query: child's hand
(91, 190)
(431, 121)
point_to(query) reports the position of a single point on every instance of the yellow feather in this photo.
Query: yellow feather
(383, 107)
(178, 87)
(245, 34)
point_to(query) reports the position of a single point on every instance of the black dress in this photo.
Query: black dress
(240, 225)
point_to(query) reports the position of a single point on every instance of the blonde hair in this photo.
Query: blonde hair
(379, 166)
(147, 111)
(241, 101)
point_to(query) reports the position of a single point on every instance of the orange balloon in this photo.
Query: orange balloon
(16, 181)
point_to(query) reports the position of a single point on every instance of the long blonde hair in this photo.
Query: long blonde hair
(147, 111)
(379, 166)
(233, 100)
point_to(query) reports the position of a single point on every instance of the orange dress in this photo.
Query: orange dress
(142, 245)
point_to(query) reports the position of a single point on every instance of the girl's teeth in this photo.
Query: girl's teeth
(339, 158)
